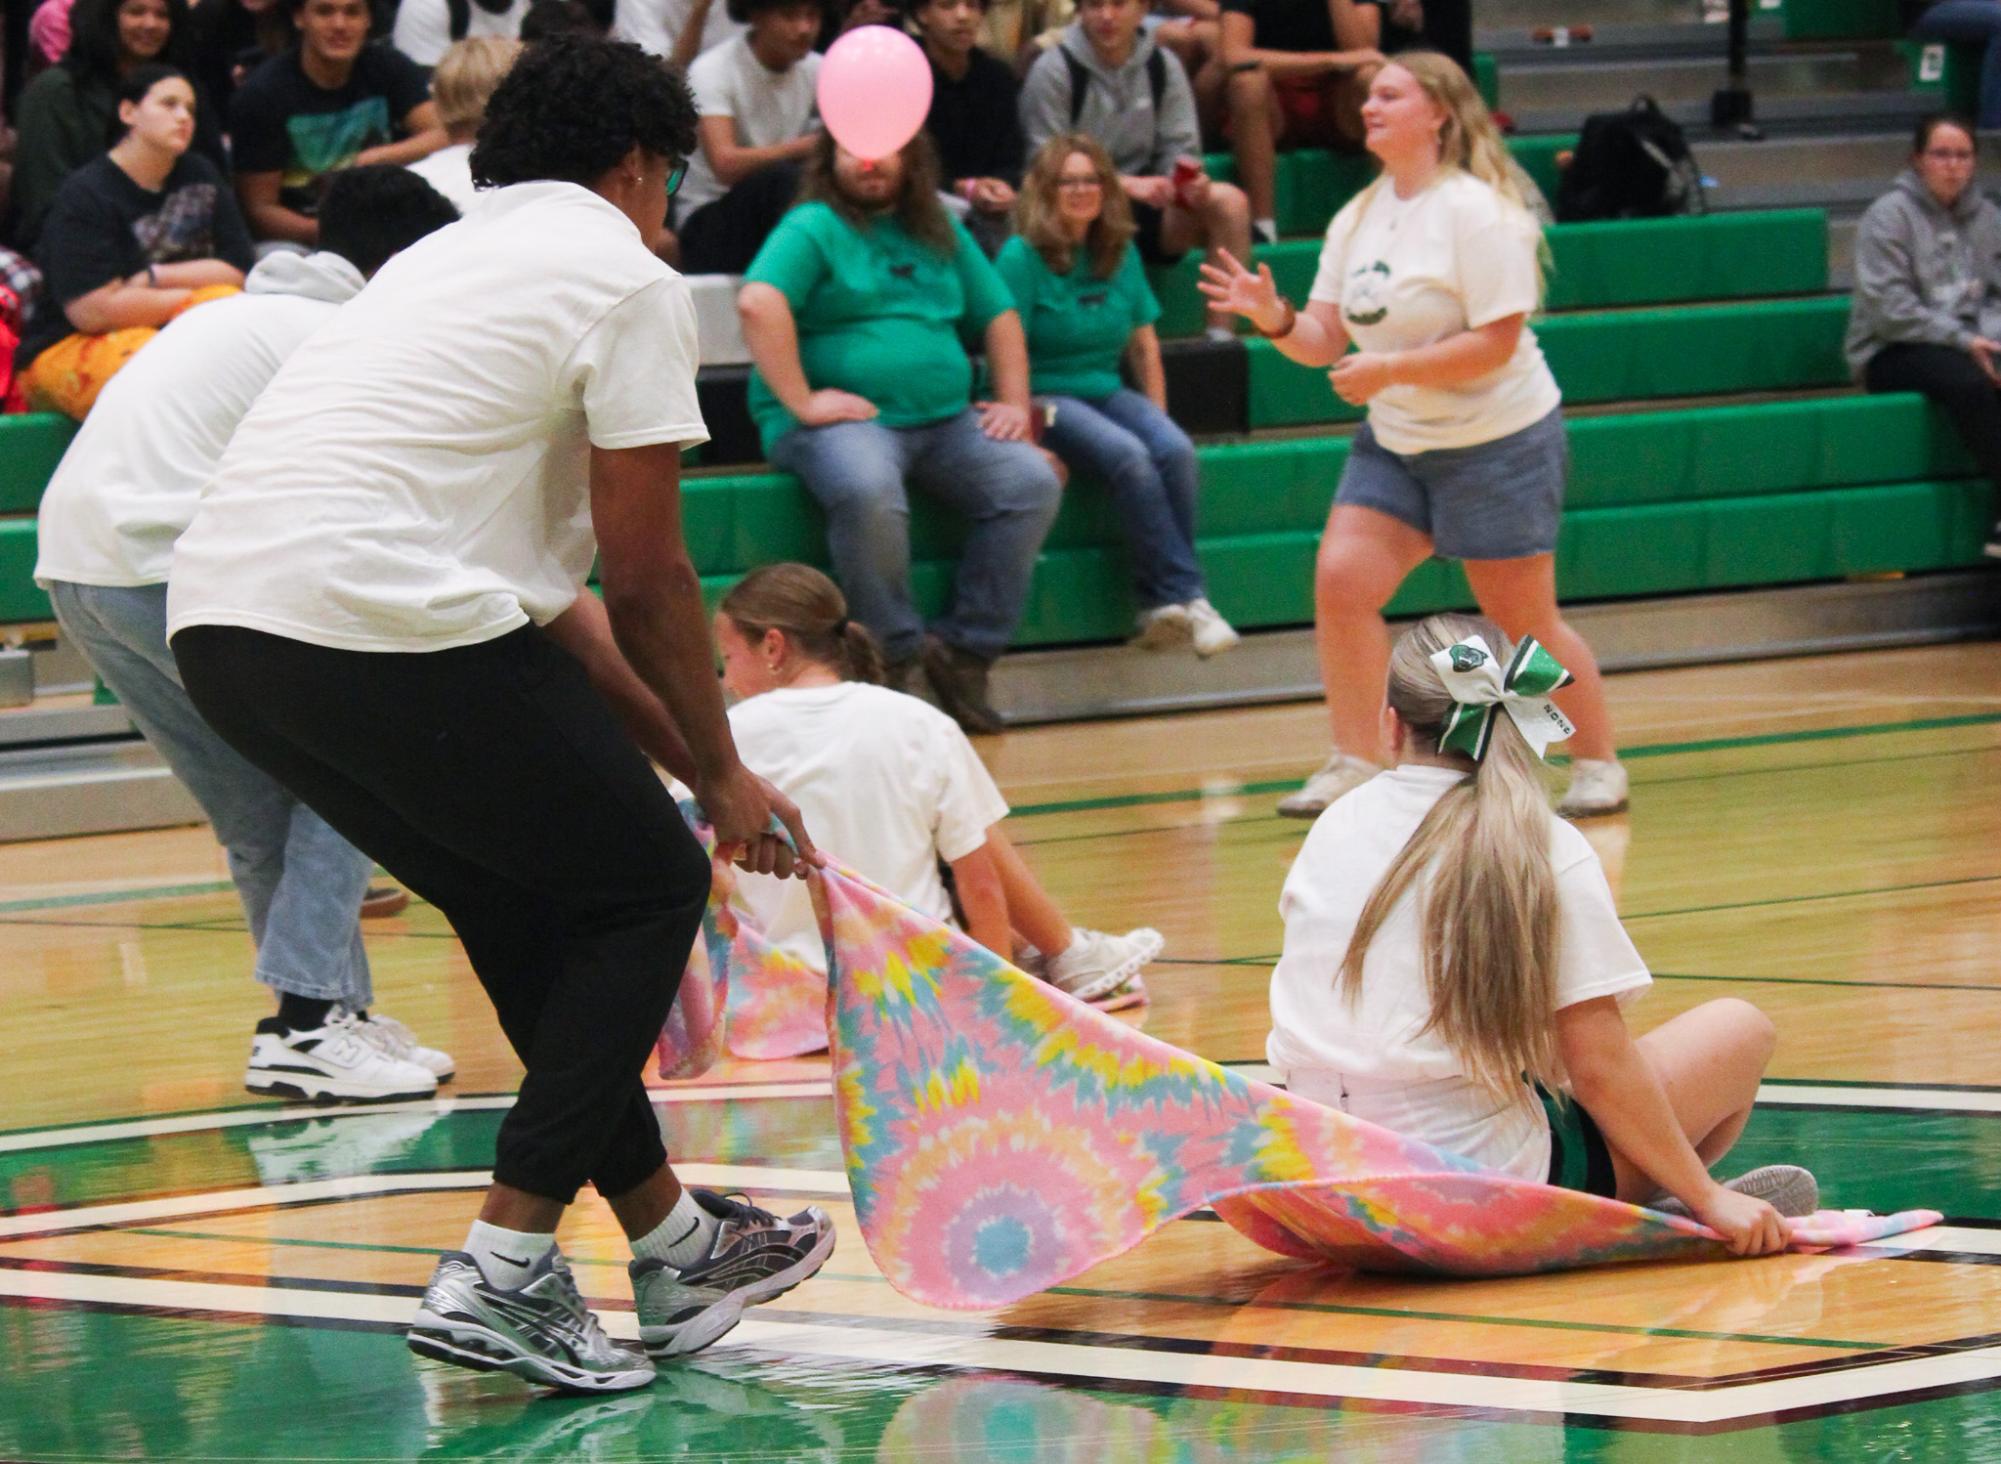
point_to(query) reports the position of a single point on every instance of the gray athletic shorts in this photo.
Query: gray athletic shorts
(1496, 500)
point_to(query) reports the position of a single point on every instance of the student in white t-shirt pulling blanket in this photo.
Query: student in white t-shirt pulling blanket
(1454, 967)
(891, 785)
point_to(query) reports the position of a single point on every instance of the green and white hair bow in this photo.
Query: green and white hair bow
(1482, 689)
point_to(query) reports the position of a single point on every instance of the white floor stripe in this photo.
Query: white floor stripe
(842, 1338)
(1943, 1100)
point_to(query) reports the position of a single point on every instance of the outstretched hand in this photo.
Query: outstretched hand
(1229, 286)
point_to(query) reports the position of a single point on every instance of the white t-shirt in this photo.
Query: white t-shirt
(129, 483)
(888, 785)
(424, 27)
(654, 25)
(449, 170)
(1408, 272)
(769, 107)
(1372, 1058)
(419, 479)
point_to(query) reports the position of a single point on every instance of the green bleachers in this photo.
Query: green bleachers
(1828, 20)
(20, 597)
(1733, 256)
(30, 447)
(1621, 355)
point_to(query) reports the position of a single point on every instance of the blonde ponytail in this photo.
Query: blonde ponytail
(1479, 862)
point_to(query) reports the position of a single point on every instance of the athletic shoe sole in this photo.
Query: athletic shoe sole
(325, 1093)
(721, 1315)
(465, 1345)
(1130, 995)
(1787, 1188)
(381, 902)
(1119, 975)
(1606, 812)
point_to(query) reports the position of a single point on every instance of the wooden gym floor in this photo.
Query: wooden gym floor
(187, 1273)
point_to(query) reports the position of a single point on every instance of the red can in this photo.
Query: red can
(1186, 171)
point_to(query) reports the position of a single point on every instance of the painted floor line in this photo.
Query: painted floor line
(1089, 1363)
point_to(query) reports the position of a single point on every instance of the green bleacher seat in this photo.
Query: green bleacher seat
(30, 446)
(1732, 256)
(1621, 355)
(1830, 20)
(20, 597)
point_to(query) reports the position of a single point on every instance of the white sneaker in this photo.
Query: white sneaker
(1164, 628)
(1097, 964)
(334, 1063)
(1342, 773)
(398, 1041)
(1212, 633)
(1131, 993)
(1597, 786)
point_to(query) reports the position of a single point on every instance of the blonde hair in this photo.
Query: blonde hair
(465, 80)
(1468, 140)
(1040, 220)
(812, 612)
(1479, 862)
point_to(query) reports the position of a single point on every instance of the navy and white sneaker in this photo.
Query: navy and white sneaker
(755, 1256)
(542, 1332)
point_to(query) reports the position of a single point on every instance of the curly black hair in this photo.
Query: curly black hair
(573, 106)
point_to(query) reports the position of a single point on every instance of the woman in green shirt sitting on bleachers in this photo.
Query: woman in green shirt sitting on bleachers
(1086, 305)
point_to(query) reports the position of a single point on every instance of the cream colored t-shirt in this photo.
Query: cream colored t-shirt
(1410, 272)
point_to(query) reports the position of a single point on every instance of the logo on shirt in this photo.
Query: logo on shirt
(903, 271)
(1366, 300)
(1093, 299)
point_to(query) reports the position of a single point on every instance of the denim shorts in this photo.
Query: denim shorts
(1495, 500)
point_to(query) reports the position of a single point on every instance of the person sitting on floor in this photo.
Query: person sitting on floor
(1086, 305)
(857, 312)
(1454, 966)
(892, 786)
(135, 237)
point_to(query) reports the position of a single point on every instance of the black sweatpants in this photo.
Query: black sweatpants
(493, 781)
(724, 235)
(1950, 377)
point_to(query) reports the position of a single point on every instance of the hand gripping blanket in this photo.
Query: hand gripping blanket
(1002, 1137)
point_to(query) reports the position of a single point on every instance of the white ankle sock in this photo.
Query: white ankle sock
(680, 1240)
(1264, 231)
(507, 1257)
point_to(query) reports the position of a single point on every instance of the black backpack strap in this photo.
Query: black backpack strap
(460, 12)
(1080, 81)
(1156, 76)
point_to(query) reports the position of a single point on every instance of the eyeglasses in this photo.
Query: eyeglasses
(1094, 181)
(674, 178)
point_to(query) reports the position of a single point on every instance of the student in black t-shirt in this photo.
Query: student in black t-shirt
(333, 101)
(1298, 70)
(973, 116)
(134, 237)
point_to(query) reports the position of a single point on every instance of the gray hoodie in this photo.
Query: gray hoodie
(1924, 274)
(321, 276)
(1118, 106)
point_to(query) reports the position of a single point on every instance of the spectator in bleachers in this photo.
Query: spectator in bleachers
(1432, 272)
(680, 30)
(1967, 23)
(135, 237)
(332, 101)
(232, 38)
(1086, 306)
(973, 118)
(461, 87)
(68, 113)
(1018, 31)
(559, 18)
(1293, 82)
(759, 122)
(426, 29)
(857, 312)
(1108, 79)
(126, 489)
(1926, 313)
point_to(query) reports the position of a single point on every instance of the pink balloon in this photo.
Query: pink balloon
(874, 90)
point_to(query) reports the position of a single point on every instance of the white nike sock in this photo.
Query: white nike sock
(682, 1239)
(506, 1257)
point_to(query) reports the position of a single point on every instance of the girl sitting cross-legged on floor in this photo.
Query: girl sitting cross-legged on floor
(891, 786)
(1454, 966)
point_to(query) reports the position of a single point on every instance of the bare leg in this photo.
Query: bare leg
(1223, 222)
(1255, 121)
(641, 1208)
(1519, 595)
(1710, 1061)
(1030, 911)
(1364, 556)
(513, 1209)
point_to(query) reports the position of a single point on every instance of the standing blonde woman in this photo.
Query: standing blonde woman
(1454, 966)
(1432, 273)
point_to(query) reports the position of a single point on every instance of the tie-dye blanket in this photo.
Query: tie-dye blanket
(1001, 1137)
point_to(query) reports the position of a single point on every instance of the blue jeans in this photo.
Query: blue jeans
(1148, 463)
(300, 882)
(1970, 23)
(1005, 491)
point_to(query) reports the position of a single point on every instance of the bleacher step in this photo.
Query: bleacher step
(93, 788)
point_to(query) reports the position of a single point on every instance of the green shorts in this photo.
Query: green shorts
(1579, 1158)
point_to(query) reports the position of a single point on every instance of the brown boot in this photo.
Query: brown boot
(959, 678)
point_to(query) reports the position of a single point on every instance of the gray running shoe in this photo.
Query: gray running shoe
(543, 1332)
(1787, 1188)
(756, 1255)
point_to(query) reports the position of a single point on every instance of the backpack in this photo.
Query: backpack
(1633, 164)
(1080, 78)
